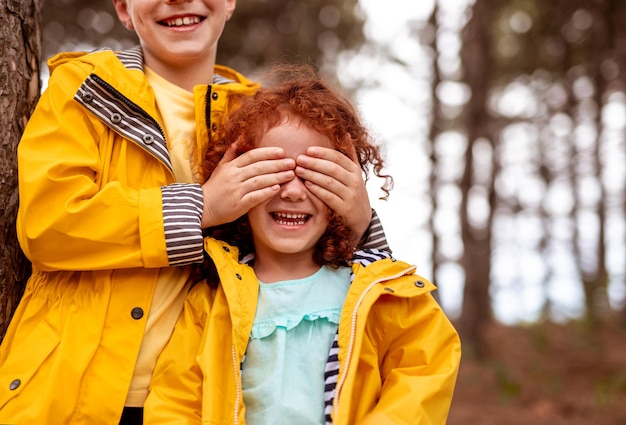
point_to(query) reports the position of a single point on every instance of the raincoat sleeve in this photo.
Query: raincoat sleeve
(175, 395)
(421, 356)
(89, 199)
(374, 237)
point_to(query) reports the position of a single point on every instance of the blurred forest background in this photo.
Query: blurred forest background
(511, 181)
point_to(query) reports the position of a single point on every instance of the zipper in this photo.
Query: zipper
(237, 375)
(344, 374)
(207, 108)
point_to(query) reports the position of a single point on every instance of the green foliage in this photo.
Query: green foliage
(539, 338)
(609, 388)
(506, 384)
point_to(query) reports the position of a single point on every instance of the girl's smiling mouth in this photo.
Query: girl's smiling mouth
(290, 219)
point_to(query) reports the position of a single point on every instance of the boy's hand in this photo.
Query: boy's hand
(240, 183)
(338, 181)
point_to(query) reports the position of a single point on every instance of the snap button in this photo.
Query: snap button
(419, 283)
(15, 384)
(137, 313)
(148, 139)
(214, 127)
(227, 249)
(238, 276)
(214, 96)
(116, 118)
(88, 97)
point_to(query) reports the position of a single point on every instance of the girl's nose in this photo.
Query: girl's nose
(293, 190)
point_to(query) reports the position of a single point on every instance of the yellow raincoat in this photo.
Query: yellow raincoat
(97, 218)
(399, 354)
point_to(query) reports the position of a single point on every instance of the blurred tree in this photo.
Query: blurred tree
(437, 125)
(262, 32)
(543, 181)
(82, 25)
(547, 83)
(19, 88)
(476, 234)
(572, 45)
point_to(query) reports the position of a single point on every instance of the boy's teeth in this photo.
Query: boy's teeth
(179, 22)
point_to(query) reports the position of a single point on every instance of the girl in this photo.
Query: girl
(302, 331)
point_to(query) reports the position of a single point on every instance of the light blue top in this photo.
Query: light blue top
(294, 327)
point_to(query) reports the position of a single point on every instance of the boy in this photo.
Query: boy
(112, 210)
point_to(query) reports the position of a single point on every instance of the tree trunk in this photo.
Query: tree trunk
(20, 47)
(601, 50)
(477, 63)
(435, 127)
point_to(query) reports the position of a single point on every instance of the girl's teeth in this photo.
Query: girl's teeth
(291, 215)
(290, 219)
(290, 223)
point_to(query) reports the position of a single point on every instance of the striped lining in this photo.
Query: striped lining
(375, 238)
(330, 378)
(218, 79)
(182, 209)
(132, 58)
(123, 116)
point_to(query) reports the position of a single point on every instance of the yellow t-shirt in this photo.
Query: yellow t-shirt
(176, 108)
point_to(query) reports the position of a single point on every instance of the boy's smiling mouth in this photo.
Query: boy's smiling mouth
(290, 219)
(182, 21)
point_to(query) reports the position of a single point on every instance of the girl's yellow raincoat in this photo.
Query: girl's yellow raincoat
(399, 354)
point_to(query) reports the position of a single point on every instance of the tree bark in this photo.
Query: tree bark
(20, 47)
(435, 128)
(476, 261)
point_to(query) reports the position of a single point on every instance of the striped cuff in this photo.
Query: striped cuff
(374, 237)
(182, 211)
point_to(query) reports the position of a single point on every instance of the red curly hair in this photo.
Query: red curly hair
(315, 105)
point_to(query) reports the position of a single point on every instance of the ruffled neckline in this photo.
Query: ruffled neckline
(286, 305)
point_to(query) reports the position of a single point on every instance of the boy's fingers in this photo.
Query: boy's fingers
(332, 155)
(333, 166)
(262, 161)
(260, 154)
(230, 154)
(331, 198)
(252, 199)
(261, 181)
